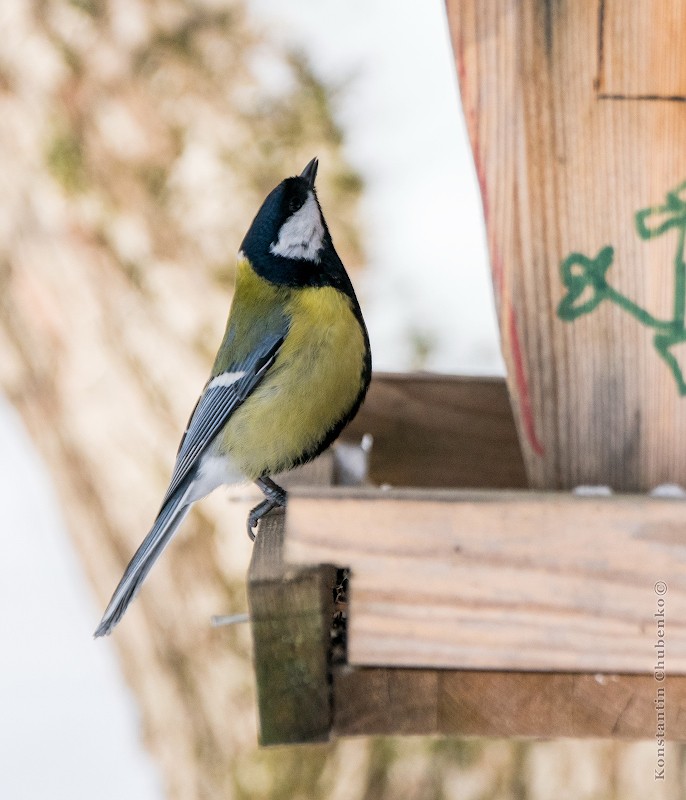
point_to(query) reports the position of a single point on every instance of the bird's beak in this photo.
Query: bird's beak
(310, 172)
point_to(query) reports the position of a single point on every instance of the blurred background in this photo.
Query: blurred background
(138, 138)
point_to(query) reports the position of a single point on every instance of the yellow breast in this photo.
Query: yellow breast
(313, 384)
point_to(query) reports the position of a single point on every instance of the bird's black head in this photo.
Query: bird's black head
(288, 242)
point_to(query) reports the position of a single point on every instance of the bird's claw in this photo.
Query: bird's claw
(256, 515)
(275, 498)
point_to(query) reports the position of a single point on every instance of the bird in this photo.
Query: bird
(292, 370)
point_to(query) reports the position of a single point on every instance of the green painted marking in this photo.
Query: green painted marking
(587, 285)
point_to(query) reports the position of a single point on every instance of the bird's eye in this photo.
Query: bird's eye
(295, 203)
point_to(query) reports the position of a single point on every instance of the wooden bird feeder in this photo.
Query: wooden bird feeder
(485, 597)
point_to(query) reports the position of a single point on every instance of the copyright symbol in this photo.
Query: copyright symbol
(660, 588)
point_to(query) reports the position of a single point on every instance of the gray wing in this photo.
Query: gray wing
(217, 403)
(222, 396)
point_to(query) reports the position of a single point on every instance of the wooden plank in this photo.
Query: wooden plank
(501, 580)
(378, 701)
(290, 611)
(440, 431)
(641, 53)
(584, 204)
(371, 701)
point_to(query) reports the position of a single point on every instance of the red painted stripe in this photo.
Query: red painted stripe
(523, 386)
(481, 178)
(497, 273)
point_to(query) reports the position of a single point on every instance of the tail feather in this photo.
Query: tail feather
(168, 520)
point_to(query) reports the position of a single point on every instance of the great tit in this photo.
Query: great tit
(292, 370)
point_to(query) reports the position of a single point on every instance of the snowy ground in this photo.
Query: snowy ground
(69, 725)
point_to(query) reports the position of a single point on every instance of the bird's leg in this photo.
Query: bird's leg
(275, 498)
(272, 491)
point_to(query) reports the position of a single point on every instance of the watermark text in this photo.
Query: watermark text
(660, 674)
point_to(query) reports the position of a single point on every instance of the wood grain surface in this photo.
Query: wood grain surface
(502, 580)
(303, 697)
(440, 431)
(468, 703)
(577, 119)
(290, 614)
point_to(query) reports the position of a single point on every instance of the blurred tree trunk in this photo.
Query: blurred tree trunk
(138, 143)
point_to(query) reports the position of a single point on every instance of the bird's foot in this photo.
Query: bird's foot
(260, 510)
(275, 497)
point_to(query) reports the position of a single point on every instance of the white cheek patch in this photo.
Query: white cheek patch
(302, 234)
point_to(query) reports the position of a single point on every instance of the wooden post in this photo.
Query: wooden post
(291, 611)
(577, 119)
